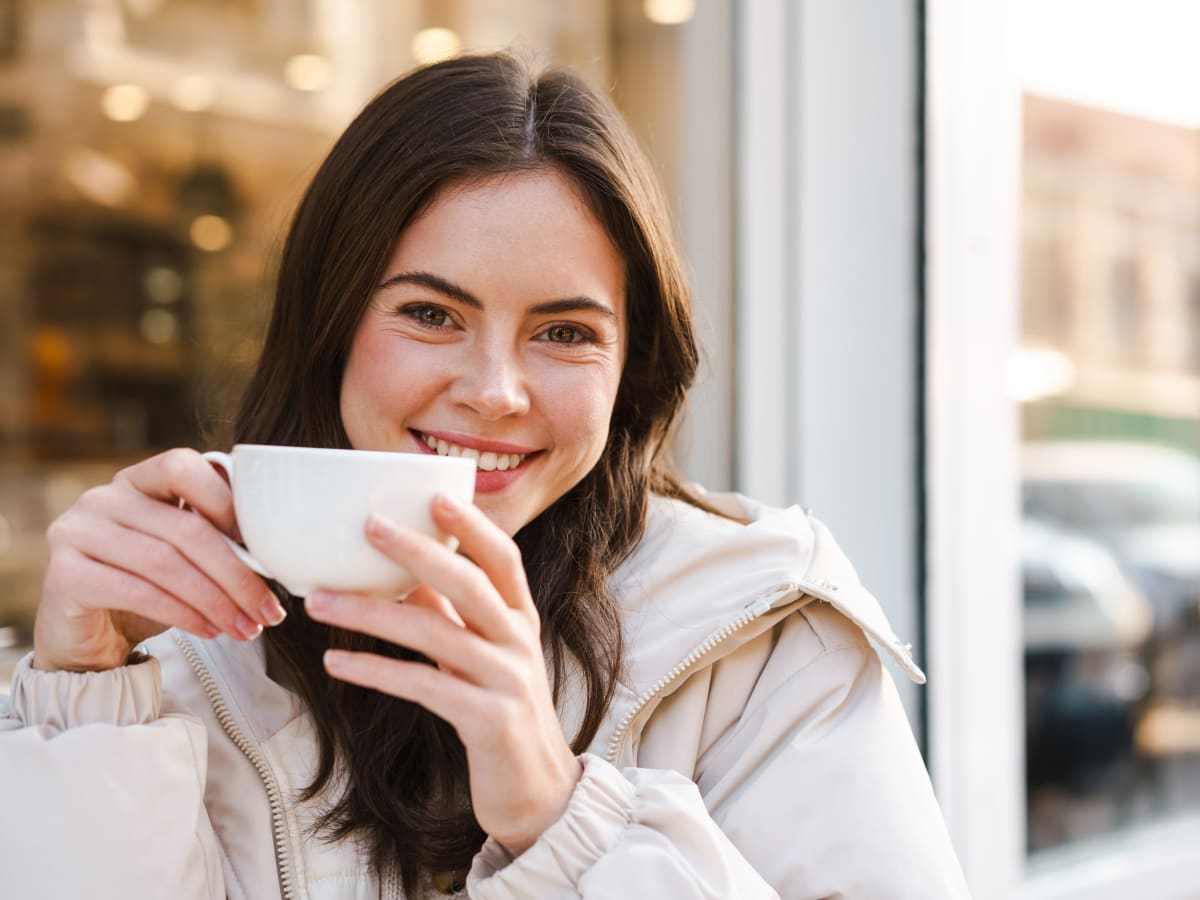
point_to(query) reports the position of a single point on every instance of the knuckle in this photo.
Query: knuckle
(247, 583)
(194, 590)
(377, 615)
(421, 551)
(160, 557)
(508, 716)
(92, 498)
(189, 620)
(479, 584)
(60, 530)
(535, 628)
(64, 567)
(148, 597)
(193, 528)
(216, 607)
(178, 463)
(511, 674)
(512, 555)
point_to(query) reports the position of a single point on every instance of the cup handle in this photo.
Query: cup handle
(225, 461)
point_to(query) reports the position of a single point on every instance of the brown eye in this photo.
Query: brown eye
(433, 316)
(562, 334)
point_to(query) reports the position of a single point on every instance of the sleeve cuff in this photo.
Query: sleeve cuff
(600, 809)
(127, 695)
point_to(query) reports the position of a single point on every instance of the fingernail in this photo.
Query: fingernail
(381, 527)
(246, 628)
(212, 631)
(334, 659)
(447, 503)
(272, 610)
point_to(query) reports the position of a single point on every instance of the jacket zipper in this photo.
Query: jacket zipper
(753, 610)
(225, 718)
(756, 608)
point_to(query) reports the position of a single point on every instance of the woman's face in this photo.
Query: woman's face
(498, 331)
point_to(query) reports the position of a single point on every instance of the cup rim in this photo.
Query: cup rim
(348, 453)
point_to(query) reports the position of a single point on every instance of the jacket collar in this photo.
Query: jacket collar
(695, 572)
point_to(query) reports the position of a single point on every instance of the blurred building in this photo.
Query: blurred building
(1111, 273)
(151, 152)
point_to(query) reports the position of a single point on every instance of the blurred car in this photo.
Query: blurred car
(1077, 598)
(1142, 501)
(1085, 626)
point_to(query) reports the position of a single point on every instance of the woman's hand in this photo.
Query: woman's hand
(476, 619)
(126, 562)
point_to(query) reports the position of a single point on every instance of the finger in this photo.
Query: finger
(129, 593)
(203, 546)
(450, 698)
(488, 546)
(461, 581)
(157, 563)
(427, 598)
(183, 474)
(424, 630)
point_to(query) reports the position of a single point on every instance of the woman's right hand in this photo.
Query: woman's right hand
(127, 562)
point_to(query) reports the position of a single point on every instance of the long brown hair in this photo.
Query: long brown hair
(400, 771)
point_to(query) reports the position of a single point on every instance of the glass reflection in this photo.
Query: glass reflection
(1109, 379)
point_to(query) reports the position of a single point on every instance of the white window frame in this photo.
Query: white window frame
(825, 411)
(976, 728)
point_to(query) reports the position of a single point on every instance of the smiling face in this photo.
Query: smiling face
(498, 331)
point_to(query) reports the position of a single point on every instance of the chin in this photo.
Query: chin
(501, 516)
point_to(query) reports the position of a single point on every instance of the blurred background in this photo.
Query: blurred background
(946, 259)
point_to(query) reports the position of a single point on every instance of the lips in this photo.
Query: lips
(497, 464)
(486, 460)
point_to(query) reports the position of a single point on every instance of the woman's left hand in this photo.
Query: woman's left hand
(476, 619)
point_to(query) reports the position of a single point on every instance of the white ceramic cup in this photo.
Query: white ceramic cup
(302, 511)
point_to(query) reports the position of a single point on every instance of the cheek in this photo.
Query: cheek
(368, 384)
(587, 421)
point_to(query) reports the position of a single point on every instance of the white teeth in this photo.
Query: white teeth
(487, 461)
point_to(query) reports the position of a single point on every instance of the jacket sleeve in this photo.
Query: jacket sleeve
(812, 788)
(819, 781)
(102, 785)
(628, 833)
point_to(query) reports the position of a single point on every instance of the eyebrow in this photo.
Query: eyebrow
(453, 291)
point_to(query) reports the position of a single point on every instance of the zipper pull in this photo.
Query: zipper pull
(759, 607)
(765, 602)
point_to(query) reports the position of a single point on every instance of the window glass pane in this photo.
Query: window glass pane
(150, 154)
(1109, 376)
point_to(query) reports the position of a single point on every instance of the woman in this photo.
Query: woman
(616, 688)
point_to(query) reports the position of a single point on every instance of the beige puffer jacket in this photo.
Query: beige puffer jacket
(756, 748)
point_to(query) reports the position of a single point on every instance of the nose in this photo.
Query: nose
(492, 384)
